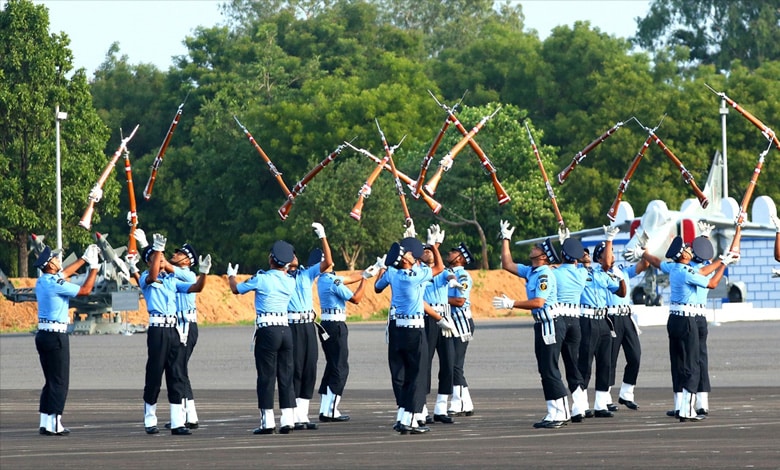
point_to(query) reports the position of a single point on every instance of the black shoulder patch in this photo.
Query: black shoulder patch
(60, 281)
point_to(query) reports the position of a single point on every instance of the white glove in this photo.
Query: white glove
(370, 271)
(454, 284)
(704, 228)
(130, 218)
(440, 238)
(446, 162)
(410, 232)
(140, 237)
(447, 328)
(610, 232)
(232, 270)
(503, 302)
(506, 230)
(158, 242)
(132, 262)
(380, 262)
(95, 194)
(91, 256)
(775, 272)
(634, 255)
(204, 264)
(775, 221)
(730, 257)
(563, 234)
(643, 239)
(433, 234)
(319, 230)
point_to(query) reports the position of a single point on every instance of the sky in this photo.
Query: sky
(153, 31)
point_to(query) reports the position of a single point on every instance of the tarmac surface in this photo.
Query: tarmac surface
(105, 412)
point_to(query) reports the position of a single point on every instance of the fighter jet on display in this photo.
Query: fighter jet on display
(658, 225)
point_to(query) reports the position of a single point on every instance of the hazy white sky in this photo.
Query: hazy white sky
(153, 31)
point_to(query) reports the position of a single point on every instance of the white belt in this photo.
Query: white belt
(593, 312)
(53, 326)
(415, 320)
(546, 313)
(190, 316)
(441, 309)
(264, 319)
(687, 310)
(300, 317)
(568, 310)
(164, 321)
(619, 310)
(333, 314)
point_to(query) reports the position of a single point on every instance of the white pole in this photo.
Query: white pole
(58, 116)
(724, 110)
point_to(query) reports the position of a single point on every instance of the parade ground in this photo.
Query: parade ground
(104, 410)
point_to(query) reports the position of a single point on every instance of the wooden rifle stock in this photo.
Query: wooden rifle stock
(417, 189)
(501, 193)
(271, 166)
(446, 162)
(95, 193)
(612, 213)
(765, 130)
(161, 153)
(284, 211)
(584, 152)
(365, 190)
(687, 176)
(432, 203)
(547, 184)
(746, 200)
(133, 219)
(398, 186)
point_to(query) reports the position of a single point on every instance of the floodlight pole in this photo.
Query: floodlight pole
(59, 116)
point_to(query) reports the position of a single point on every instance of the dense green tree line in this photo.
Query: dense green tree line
(305, 76)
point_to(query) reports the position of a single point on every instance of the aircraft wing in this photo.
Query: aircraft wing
(624, 227)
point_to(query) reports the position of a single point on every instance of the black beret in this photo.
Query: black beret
(572, 250)
(282, 252)
(599, 250)
(46, 255)
(413, 245)
(315, 257)
(394, 255)
(549, 250)
(675, 249)
(702, 249)
(464, 250)
(188, 250)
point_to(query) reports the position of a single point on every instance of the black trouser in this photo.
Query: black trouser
(445, 349)
(596, 343)
(704, 374)
(627, 338)
(547, 356)
(192, 340)
(570, 351)
(336, 349)
(460, 347)
(165, 353)
(684, 352)
(410, 347)
(274, 364)
(54, 354)
(305, 355)
(395, 362)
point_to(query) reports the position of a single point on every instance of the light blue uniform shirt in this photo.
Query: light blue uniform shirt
(464, 278)
(407, 286)
(273, 290)
(540, 283)
(160, 296)
(436, 290)
(185, 301)
(626, 272)
(683, 280)
(302, 299)
(332, 291)
(701, 292)
(597, 285)
(571, 280)
(52, 292)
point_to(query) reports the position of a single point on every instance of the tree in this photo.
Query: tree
(715, 32)
(33, 68)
